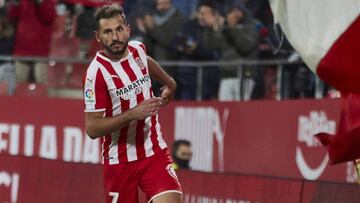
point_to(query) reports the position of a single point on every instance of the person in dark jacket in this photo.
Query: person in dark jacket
(7, 75)
(236, 37)
(191, 46)
(85, 26)
(160, 30)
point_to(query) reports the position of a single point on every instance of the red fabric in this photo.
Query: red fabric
(34, 27)
(125, 105)
(43, 181)
(344, 146)
(340, 68)
(152, 175)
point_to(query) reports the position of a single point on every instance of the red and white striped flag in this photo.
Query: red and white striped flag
(326, 33)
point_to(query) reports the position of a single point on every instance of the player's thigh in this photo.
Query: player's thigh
(121, 185)
(160, 178)
(168, 197)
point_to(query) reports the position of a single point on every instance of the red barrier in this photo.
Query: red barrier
(226, 188)
(34, 180)
(262, 137)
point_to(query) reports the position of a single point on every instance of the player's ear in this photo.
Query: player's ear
(128, 29)
(97, 36)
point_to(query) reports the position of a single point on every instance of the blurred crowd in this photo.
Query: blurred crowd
(172, 30)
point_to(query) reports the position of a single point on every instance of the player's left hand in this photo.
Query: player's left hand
(167, 94)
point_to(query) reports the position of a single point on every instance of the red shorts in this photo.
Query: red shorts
(154, 175)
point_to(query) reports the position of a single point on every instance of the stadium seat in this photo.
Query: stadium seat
(59, 26)
(59, 73)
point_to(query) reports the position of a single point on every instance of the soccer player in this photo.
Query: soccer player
(121, 109)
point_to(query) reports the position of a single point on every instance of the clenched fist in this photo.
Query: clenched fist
(147, 108)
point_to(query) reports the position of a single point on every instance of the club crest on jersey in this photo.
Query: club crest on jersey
(89, 95)
(140, 63)
(170, 169)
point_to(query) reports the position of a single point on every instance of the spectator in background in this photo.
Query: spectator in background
(34, 20)
(136, 7)
(136, 21)
(182, 154)
(6, 36)
(161, 29)
(3, 7)
(236, 38)
(85, 27)
(304, 83)
(187, 8)
(190, 43)
(221, 6)
(7, 75)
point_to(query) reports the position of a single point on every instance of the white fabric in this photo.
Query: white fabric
(229, 89)
(312, 26)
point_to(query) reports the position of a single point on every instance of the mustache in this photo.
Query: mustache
(117, 43)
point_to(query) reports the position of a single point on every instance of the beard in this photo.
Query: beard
(114, 50)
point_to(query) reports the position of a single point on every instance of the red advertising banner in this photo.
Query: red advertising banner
(200, 187)
(35, 180)
(260, 137)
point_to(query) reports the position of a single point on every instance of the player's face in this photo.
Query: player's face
(113, 34)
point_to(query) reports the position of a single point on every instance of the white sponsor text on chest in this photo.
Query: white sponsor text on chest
(134, 88)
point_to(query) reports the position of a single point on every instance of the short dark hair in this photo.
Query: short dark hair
(108, 11)
(178, 143)
(208, 4)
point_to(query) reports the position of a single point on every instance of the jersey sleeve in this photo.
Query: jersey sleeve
(95, 91)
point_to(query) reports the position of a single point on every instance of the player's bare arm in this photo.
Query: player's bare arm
(97, 126)
(159, 74)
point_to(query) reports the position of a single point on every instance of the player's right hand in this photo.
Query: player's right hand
(147, 108)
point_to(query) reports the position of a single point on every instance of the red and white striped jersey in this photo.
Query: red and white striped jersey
(113, 87)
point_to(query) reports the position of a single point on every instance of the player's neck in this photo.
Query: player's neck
(116, 57)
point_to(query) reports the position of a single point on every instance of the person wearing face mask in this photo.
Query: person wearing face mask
(182, 154)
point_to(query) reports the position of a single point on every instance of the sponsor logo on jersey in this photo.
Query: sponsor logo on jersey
(89, 95)
(135, 88)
